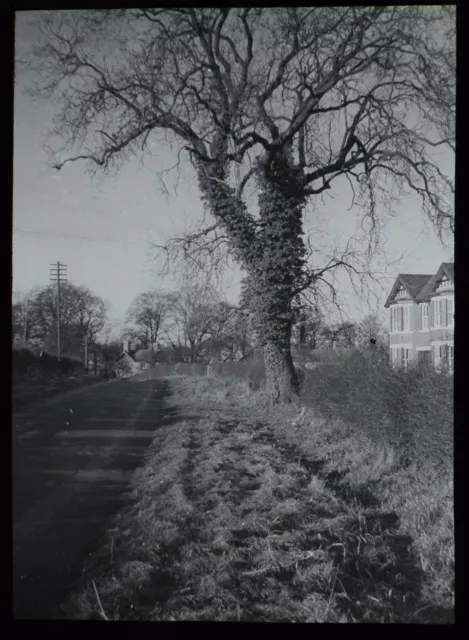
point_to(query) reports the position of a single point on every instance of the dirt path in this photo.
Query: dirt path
(72, 456)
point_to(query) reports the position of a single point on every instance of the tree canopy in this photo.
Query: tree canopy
(283, 101)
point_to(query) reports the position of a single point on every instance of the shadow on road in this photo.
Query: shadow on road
(73, 457)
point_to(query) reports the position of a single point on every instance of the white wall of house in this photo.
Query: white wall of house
(425, 326)
(403, 324)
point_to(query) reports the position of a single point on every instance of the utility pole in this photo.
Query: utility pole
(25, 336)
(86, 351)
(58, 274)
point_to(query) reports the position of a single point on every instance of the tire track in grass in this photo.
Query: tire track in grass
(232, 476)
(167, 583)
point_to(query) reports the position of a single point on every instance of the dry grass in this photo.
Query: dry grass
(242, 512)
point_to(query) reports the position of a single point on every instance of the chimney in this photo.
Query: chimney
(126, 345)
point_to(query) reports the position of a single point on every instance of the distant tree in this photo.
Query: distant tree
(285, 102)
(195, 319)
(232, 338)
(372, 332)
(18, 321)
(147, 315)
(308, 331)
(81, 313)
(241, 339)
(331, 335)
(348, 334)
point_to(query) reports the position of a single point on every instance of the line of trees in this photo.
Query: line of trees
(312, 331)
(34, 319)
(194, 322)
(197, 325)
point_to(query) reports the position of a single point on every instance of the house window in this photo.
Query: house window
(400, 357)
(424, 312)
(446, 356)
(449, 312)
(438, 307)
(401, 293)
(406, 318)
(400, 318)
(405, 358)
(443, 355)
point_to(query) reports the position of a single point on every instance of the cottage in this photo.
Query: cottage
(421, 315)
(145, 358)
(125, 364)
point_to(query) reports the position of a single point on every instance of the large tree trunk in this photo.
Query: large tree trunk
(282, 380)
(281, 201)
(271, 251)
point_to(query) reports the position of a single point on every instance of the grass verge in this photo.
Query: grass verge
(247, 513)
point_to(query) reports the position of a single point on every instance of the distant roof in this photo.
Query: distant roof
(447, 269)
(125, 353)
(425, 291)
(420, 286)
(414, 282)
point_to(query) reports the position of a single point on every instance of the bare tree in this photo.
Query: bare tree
(331, 335)
(147, 314)
(230, 336)
(280, 101)
(81, 313)
(20, 324)
(309, 328)
(348, 332)
(372, 331)
(194, 320)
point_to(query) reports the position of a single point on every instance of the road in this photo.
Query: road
(72, 458)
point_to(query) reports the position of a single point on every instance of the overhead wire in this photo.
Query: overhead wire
(75, 237)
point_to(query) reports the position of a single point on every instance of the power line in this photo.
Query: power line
(87, 238)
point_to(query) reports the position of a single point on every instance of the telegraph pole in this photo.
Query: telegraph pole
(86, 351)
(58, 274)
(25, 337)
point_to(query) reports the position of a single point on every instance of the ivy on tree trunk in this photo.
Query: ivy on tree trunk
(271, 288)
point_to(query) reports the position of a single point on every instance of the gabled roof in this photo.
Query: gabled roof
(446, 269)
(125, 353)
(420, 286)
(449, 270)
(413, 283)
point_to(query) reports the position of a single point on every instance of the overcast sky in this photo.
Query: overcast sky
(103, 230)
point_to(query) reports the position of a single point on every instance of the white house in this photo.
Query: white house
(421, 318)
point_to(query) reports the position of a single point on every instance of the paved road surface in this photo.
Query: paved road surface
(72, 458)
